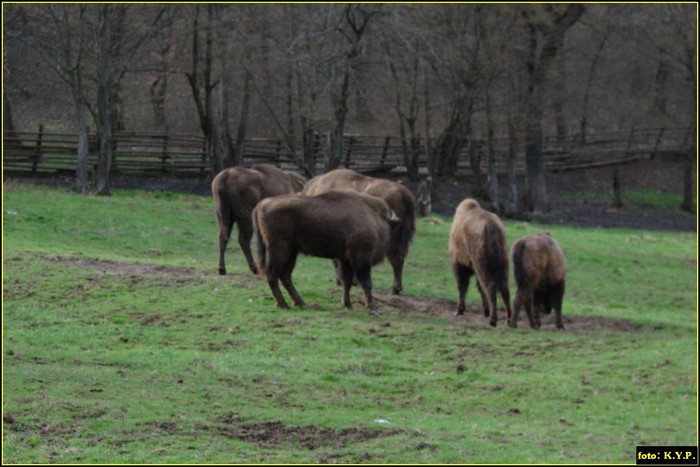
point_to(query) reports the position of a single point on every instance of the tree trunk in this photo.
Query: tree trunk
(538, 66)
(451, 141)
(559, 98)
(202, 84)
(587, 92)
(512, 176)
(491, 156)
(340, 105)
(688, 204)
(82, 180)
(242, 121)
(104, 102)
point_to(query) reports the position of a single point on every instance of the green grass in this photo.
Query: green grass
(641, 196)
(121, 344)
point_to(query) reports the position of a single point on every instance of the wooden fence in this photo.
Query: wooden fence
(186, 155)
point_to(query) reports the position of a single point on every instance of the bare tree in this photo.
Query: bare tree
(546, 27)
(202, 84)
(116, 40)
(63, 43)
(404, 58)
(353, 28)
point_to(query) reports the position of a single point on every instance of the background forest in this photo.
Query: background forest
(438, 75)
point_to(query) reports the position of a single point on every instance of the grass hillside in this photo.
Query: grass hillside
(122, 344)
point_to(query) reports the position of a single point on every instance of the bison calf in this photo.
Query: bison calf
(477, 246)
(349, 227)
(540, 273)
(237, 191)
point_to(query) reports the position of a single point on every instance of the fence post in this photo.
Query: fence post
(657, 142)
(385, 150)
(164, 153)
(347, 154)
(629, 141)
(204, 156)
(37, 151)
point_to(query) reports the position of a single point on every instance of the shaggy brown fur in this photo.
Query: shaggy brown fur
(349, 227)
(540, 273)
(398, 197)
(478, 246)
(237, 191)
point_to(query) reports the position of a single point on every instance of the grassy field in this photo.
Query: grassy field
(121, 344)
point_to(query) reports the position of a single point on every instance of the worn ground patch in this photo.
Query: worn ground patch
(474, 315)
(274, 433)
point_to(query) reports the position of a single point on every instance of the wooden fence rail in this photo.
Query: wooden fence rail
(186, 155)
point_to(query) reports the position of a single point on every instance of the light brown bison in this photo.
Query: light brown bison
(397, 196)
(349, 227)
(237, 191)
(477, 246)
(540, 274)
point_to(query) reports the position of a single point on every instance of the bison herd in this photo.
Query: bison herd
(356, 221)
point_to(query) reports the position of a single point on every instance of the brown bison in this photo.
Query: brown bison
(237, 191)
(349, 227)
(397, 196)
(540, 273)
(477, 245)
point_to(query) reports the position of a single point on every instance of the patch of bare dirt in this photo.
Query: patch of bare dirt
(129, 269)
(275, 433)
(474, 315)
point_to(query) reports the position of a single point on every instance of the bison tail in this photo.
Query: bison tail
(494, 261)
(518, 269)
(223, 208)
(262, 248)
(408, 224)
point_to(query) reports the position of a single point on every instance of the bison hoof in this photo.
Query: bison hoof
(254, 271)
(396, 290)
(222, 271)
(493, 322)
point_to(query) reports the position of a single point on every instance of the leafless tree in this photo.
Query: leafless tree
(58, 35)
(546, 28)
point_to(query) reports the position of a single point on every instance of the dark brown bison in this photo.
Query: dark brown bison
(397, 196)
(477, 246)
(237, 191)
(349, 227)
(540, 274)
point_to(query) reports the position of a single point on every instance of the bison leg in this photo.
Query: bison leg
(345, 271)
(397, 266)
(224, 235)
(245, 234)
(488, 298)
(484, 300)
(286, 278)
(505, 295)
(364, 277)
(556, 299)
(530, 308)
(278, 267)
(462, 275)
(517, 305)
(276, 292)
